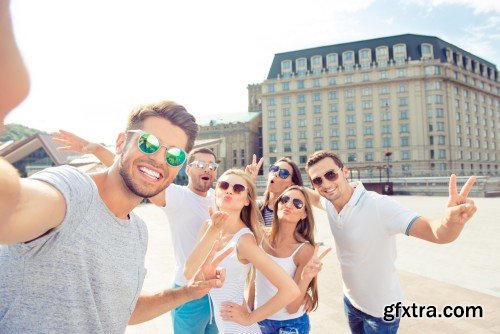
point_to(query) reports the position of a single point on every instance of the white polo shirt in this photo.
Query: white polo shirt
(364, 232)
(186, 211)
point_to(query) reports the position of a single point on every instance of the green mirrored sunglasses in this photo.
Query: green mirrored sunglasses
(149, 144)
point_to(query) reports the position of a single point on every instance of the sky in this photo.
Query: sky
(92, 61)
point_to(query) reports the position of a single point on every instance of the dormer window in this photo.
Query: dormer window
(426, 51)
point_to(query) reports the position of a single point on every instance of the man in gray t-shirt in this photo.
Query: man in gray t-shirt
(73, 254)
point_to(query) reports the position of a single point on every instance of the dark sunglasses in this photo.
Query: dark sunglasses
(149, 144)
(331, 175)
(237, 188)
(283, 173)
(201, 165)
(296, 202)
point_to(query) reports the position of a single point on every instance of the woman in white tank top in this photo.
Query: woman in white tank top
(291, 245)
(237, 225)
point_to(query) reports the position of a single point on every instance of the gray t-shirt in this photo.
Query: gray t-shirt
(82, 277)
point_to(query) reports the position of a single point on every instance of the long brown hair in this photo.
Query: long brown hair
(250, 214)
(304, 231)
(296, 180)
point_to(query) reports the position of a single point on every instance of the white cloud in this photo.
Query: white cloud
(479, 6)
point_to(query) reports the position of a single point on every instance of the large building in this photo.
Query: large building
(417, 104)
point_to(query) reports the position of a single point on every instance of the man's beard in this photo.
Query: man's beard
(133, 186)
(201, 187)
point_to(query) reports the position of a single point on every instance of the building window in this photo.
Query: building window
(271, 101)
(368, 143)
(271, 112)
(272, 125)
(368, 130)
(270, 88)
(285, 100)
(318, 146)
(317, 109)
(351, 131)
(334, 132)
(301, 110)
(334, 107)
(334, 145)
(272, 137)
(334, 120)
(405, 127)
(350, 118)
(316, 97)
(367, 117)
(351, 157)
(369, 156)
(301, 98)
(302, 122)
(383, 90)
(300, 84)
(287, 123)
(303, 159)
(287, 147)
(351, 143)
(403, 114)
(405, 155)
(383, 75)
(366, 104)
(386, 142)
(405, 141)
(348, 79)
(332, 95)
(302, 135)
(349, 106)
(302, 147)
(332, 81)
(286, 111)
(285, 86)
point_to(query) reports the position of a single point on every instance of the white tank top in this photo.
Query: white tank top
(233, 289)
(265, 290)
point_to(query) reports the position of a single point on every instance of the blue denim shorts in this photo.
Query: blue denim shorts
(362, 323)
(298, 325)
(194, 317)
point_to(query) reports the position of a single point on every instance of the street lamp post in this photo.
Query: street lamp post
(388, 157)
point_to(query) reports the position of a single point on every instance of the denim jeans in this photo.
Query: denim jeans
(362, 323)
(194, 317)
(298, 325)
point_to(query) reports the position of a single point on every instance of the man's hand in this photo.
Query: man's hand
(313, 267)
(71, 142)
(459, 209)
(236, 313)
(208, 276)
(254, 167)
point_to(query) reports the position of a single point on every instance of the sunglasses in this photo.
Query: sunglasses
(237, 188)
(331, 175)
(296, 202)
(149, 144)
(283, 173)
(201, 165)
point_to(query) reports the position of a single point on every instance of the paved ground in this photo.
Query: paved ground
(466, 272)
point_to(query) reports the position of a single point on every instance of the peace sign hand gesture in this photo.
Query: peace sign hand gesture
(208, 276)
(254, 167)
(459, 208)
(313, 267)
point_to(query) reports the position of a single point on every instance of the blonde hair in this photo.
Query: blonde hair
(250, 214)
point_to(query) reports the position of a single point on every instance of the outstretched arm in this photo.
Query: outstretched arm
(207, 277)
(28, 208)
(71, 142)
(459, 210)
(14, 80)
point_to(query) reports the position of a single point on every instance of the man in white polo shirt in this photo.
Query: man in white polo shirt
(364, 225)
